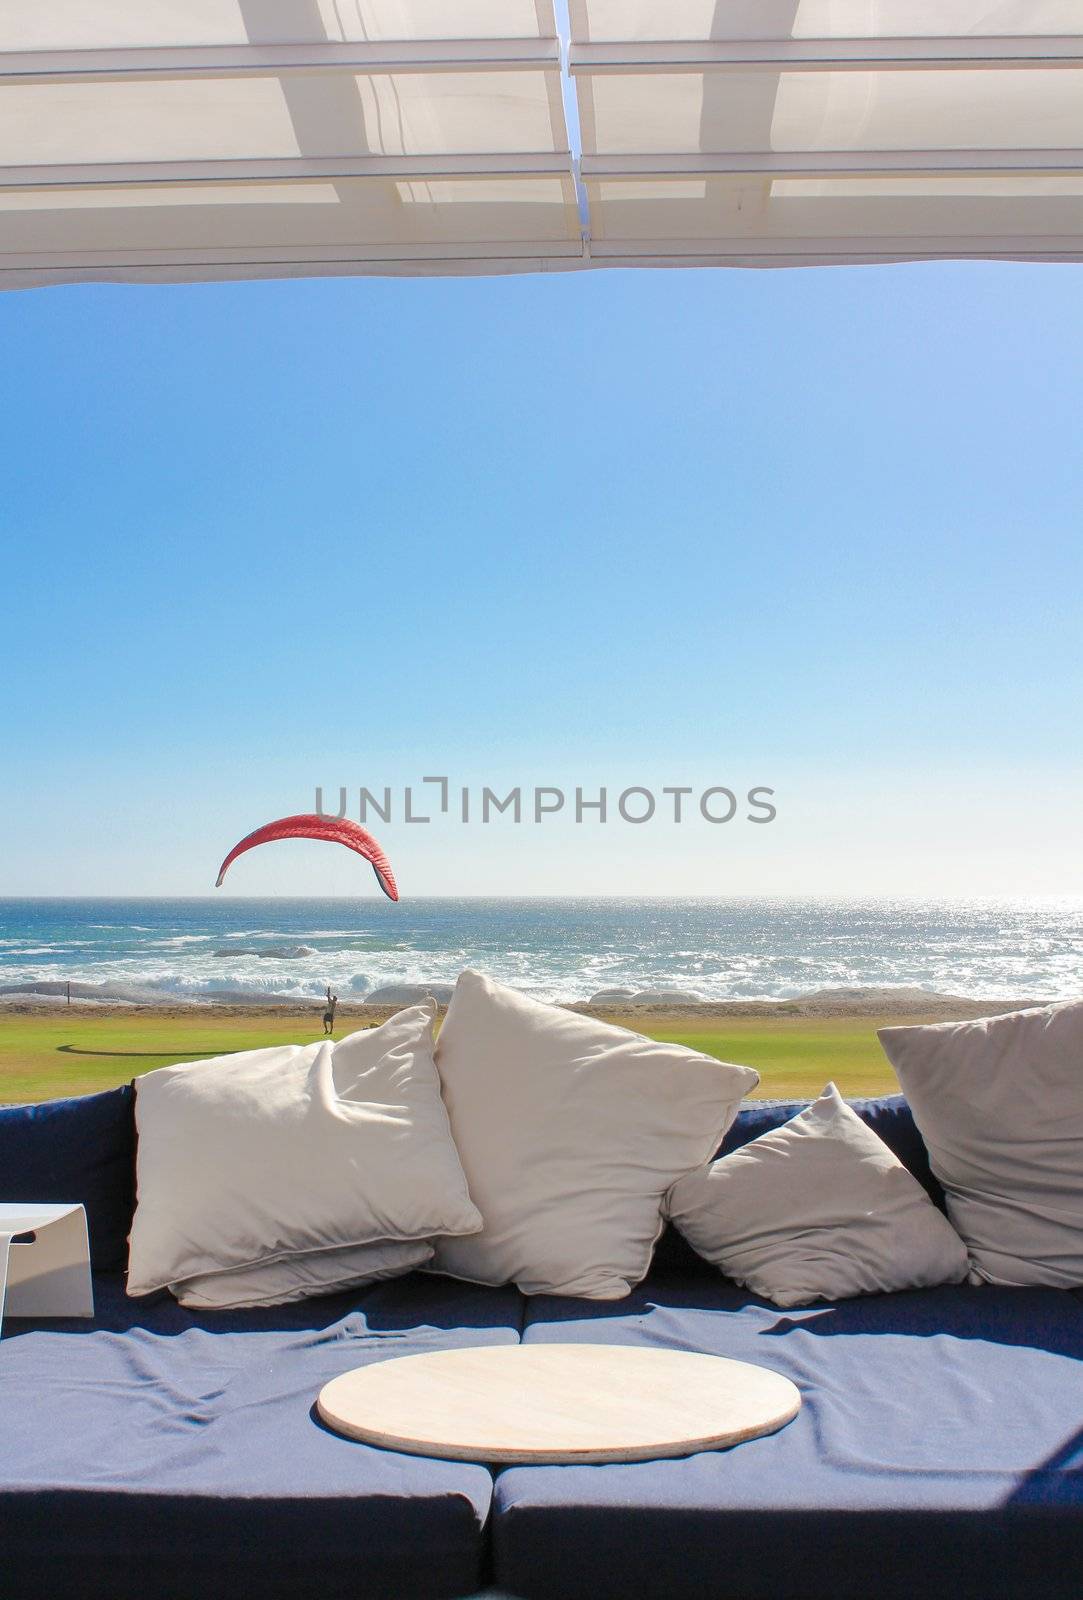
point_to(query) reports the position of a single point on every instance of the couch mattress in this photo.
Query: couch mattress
(939, 1452)
(158, 1454)
(161, 1453)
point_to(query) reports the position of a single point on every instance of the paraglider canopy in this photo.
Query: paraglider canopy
(332, 830)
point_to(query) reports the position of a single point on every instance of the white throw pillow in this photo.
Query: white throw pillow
(819, 1209)
(270, 1155)
(300, 1277)
(570, 1132)
(999, 1103)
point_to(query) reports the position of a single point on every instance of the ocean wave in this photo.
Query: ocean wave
(265, 986)
(274, 952)
(161, 992)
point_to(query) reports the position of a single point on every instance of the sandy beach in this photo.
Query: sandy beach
(909, 1004)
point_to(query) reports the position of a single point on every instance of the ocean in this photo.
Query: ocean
(177, 951)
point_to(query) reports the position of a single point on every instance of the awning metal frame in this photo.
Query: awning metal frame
(827, 55)
(835, 163)
(276, 60)
(275, 169)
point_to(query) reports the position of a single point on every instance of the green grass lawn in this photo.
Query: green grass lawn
(797, 1056)
(42, 1057)
(45, 1056)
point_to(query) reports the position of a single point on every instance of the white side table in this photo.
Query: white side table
(48, 1273)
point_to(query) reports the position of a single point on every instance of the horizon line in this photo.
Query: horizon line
(661, 899)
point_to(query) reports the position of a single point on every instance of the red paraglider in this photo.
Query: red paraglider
(334, 830)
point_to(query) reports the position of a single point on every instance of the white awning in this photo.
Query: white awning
(202, 139)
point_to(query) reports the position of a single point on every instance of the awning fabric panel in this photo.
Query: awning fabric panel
(660, 20)
(222, 119)
(194, 139)
(769, 132)
(203, 138)
(705, 112)
(127, 24)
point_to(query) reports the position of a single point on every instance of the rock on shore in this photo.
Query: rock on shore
(648, 997)
(409, 994)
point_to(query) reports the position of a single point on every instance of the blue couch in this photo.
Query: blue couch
(159, 1454)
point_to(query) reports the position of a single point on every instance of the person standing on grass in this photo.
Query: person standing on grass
(329, 1014)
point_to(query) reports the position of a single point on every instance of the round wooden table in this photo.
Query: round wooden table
(529, 1404)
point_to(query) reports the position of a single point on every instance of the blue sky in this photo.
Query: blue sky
(817, 530)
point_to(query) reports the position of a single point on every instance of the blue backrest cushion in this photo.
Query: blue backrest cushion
(76, 1150)
(890, 1118)
(893, 1120)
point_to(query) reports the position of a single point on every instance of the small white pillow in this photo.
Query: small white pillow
(819, 1209)
(570, 1132)
(999, 1103)
(271, 1155)
(300, 1277)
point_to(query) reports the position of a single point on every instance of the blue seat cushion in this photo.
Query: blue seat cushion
(939, 1451)
(159, 1454)
(80, 1150)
